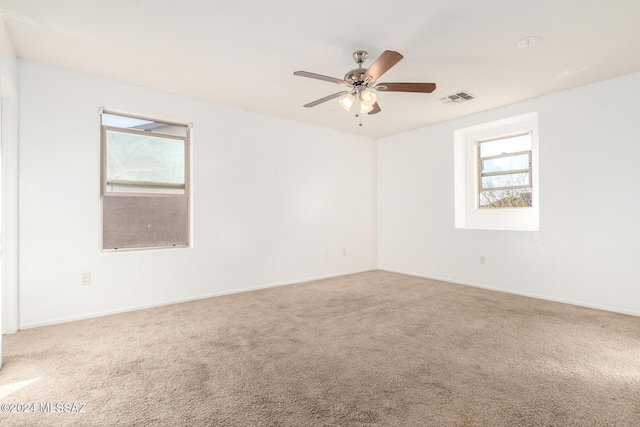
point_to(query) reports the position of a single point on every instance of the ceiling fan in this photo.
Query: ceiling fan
(360, 81)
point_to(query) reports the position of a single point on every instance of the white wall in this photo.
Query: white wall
(587, 250)
(269, 196)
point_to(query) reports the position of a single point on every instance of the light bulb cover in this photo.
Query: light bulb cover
(365, 108)
(368, 98)
(347, 101)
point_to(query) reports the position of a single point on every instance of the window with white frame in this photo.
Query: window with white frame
(496, 175)
(144, 183)
(505, 171)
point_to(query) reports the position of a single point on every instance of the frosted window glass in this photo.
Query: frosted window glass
(139, 161)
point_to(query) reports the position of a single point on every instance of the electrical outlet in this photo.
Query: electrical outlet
(85, 279)
(324, 253)
(344, 252)
(483, 260)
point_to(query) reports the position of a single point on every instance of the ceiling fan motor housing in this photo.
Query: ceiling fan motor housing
(355, 76)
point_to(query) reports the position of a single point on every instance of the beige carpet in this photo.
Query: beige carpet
(371, 349)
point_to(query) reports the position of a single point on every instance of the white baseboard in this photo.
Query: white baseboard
(179, 300)
(310, 279)
(524, 294)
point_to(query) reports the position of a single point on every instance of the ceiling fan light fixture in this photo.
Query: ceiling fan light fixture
(368, 98)
(347, 101)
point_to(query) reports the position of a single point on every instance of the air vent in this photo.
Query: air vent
(457, 97)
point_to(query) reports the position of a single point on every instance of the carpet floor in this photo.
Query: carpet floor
(368, 349)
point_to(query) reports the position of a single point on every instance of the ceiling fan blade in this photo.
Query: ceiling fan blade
(376, 109)
(388, 59)
(326, 98)
(321, 77)
(406, 87)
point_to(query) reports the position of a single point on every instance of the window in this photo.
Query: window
(504, 172)
(144, 183)
(496, 175)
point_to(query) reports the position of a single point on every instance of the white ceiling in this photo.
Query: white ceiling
(244, 53)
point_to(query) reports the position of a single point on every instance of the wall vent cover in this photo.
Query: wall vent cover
(457, 97)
